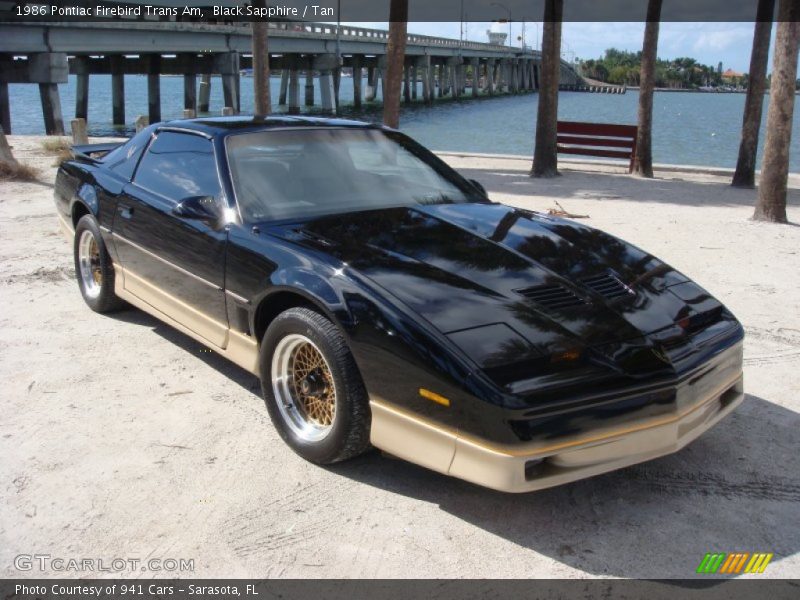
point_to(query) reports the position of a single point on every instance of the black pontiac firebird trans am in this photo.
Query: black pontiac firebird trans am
(384, 300)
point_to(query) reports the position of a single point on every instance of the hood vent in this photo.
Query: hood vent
(552, 296)
(608, 286)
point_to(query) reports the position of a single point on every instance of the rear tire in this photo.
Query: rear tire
(94, 269)
(313, 390)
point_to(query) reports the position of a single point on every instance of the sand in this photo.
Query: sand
(121, 438)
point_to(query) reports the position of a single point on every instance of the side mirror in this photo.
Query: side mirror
(479, 186)
(202, 208)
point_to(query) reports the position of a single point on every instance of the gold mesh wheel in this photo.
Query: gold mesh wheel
(304, 387)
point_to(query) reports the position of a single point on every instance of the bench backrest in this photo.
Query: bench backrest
(597, 139)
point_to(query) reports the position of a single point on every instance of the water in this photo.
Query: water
(688, 128)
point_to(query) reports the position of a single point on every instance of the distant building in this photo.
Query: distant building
(498, 33)
(732, 75)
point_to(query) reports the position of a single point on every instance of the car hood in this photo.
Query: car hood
(503, 283)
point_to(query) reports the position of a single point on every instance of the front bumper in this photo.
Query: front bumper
(701, 402)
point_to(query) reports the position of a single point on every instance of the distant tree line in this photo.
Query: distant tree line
(622, 67)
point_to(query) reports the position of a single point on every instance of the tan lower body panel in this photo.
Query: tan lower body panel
(503, 468)
(144, 295)
(236, 347)
(209, 329)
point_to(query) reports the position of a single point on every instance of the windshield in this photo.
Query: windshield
(287, 174)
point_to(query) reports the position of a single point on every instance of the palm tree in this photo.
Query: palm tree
(771, 203)
(545, 157)
(643, 163)
(745, 174)
(6, 156)
(395, 57)
(262, 99)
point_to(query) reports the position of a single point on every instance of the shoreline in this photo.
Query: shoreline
(794, 177)
(573, 164)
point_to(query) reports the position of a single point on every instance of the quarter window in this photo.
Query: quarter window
(123, 160)
(179, 165)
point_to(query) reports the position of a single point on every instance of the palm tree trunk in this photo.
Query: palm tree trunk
(6, 155)
(643, 163)
(395, 57)
(771, 203)
(751, 122)
(545, 155)
(262, 99)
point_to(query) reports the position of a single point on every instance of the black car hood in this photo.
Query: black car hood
(493, 278)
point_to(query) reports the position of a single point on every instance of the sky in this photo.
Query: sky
(709, 43)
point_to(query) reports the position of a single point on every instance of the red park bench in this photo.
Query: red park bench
(597, 139)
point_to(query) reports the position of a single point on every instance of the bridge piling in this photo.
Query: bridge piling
(48, 69)
(357, 72)
(189, 83)
(118, 89)
(229, 91)
(527, 67)
(423, 69)
(309, 99)
(526, 70)
(205, 93)
(370, 91)
(51, 107)
(79, 135)
(227, 65)
(5, 108)
(476, 67)
(523, 75)
(337, 82)
(294, 90)
(326, 92)
(429, 76)
(82, 88)
(154, 88)
(284, 86)
(453, 84)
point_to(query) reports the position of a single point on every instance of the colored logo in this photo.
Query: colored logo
(733, 563)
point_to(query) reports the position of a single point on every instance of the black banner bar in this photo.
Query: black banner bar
(219, 11)
(355, 589)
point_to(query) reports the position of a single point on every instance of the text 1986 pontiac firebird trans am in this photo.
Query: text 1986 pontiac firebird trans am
(384, 300)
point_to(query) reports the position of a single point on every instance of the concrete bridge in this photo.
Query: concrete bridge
(44, 54)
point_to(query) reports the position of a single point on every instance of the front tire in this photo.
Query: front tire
(313, 390)
(94, 269)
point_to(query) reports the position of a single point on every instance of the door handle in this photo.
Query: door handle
(126, 212)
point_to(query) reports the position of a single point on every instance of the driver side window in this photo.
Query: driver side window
(178, 165)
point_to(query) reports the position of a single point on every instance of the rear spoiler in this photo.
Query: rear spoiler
(93, 152)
